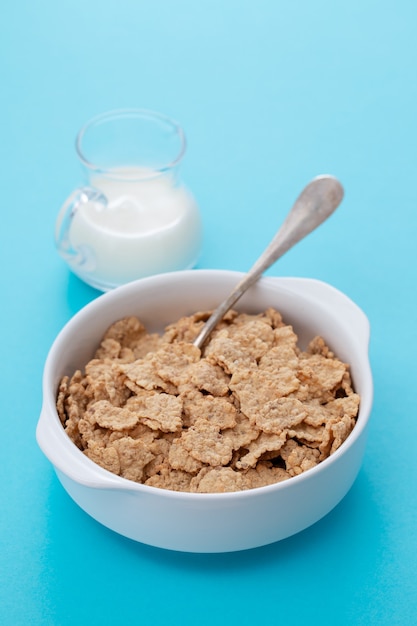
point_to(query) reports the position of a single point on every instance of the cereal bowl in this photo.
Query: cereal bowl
(208, 522)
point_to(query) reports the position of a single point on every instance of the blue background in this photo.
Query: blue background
(270, 94)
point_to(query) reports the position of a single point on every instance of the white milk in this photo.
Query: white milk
(146, 227)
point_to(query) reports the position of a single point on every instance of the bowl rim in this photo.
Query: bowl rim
(49, 423)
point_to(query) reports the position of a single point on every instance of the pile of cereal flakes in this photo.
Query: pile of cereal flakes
(249, 410)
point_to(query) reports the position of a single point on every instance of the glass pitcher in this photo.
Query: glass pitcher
(134, 217)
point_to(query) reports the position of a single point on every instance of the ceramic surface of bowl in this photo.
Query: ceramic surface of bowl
(197, 522)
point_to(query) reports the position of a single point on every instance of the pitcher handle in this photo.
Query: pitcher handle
(79, 256)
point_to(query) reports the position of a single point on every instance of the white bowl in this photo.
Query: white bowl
(198, 522)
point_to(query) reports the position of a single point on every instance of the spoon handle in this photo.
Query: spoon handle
(315, 204)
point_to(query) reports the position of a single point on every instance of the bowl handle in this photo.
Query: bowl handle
(67, 461)
(326, 295)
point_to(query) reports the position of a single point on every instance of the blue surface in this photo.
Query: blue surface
(270, 94)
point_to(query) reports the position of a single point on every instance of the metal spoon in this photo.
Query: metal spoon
(315, 204)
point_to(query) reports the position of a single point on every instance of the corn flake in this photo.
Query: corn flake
(112, 417)
(218, 480)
